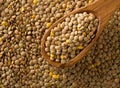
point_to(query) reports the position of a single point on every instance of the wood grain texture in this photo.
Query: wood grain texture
(103, 10)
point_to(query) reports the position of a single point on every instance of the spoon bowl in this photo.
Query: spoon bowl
(102, 9)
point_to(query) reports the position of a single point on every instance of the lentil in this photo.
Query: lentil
(76, 40)
(104, 55)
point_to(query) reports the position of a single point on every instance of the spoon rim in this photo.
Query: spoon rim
(47, 33)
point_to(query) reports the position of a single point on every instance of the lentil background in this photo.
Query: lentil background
(22, 24)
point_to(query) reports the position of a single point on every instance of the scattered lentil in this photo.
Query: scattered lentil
(81, 75)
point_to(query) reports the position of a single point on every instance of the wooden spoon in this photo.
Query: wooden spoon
(102, 9)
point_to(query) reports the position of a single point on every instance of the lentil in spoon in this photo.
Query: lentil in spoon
(101, 10)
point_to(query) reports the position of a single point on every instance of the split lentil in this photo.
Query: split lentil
(100, 68)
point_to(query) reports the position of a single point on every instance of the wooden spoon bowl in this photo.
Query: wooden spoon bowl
(102, 9)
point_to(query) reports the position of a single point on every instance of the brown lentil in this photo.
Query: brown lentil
(99, 69)
(72, 37)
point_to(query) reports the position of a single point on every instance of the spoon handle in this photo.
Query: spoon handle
(104, 10)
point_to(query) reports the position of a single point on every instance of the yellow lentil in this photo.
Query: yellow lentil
(9, 62)
(33, 16)
(90, 1)
(56, 76)
(51, 73)
(51, 33)
(4, 23)
(48, 24)
(80, 47)
(68, 7)
(35, 1)
(67, 41)
(22, 9)
(9, 6)
(52, 55)
(62, 56)
(78, 28)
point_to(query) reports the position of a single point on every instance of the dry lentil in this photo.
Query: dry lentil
(71, 25)
(81, 75)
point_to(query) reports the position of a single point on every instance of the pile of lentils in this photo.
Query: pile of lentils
(70, 37)
(22, 25)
